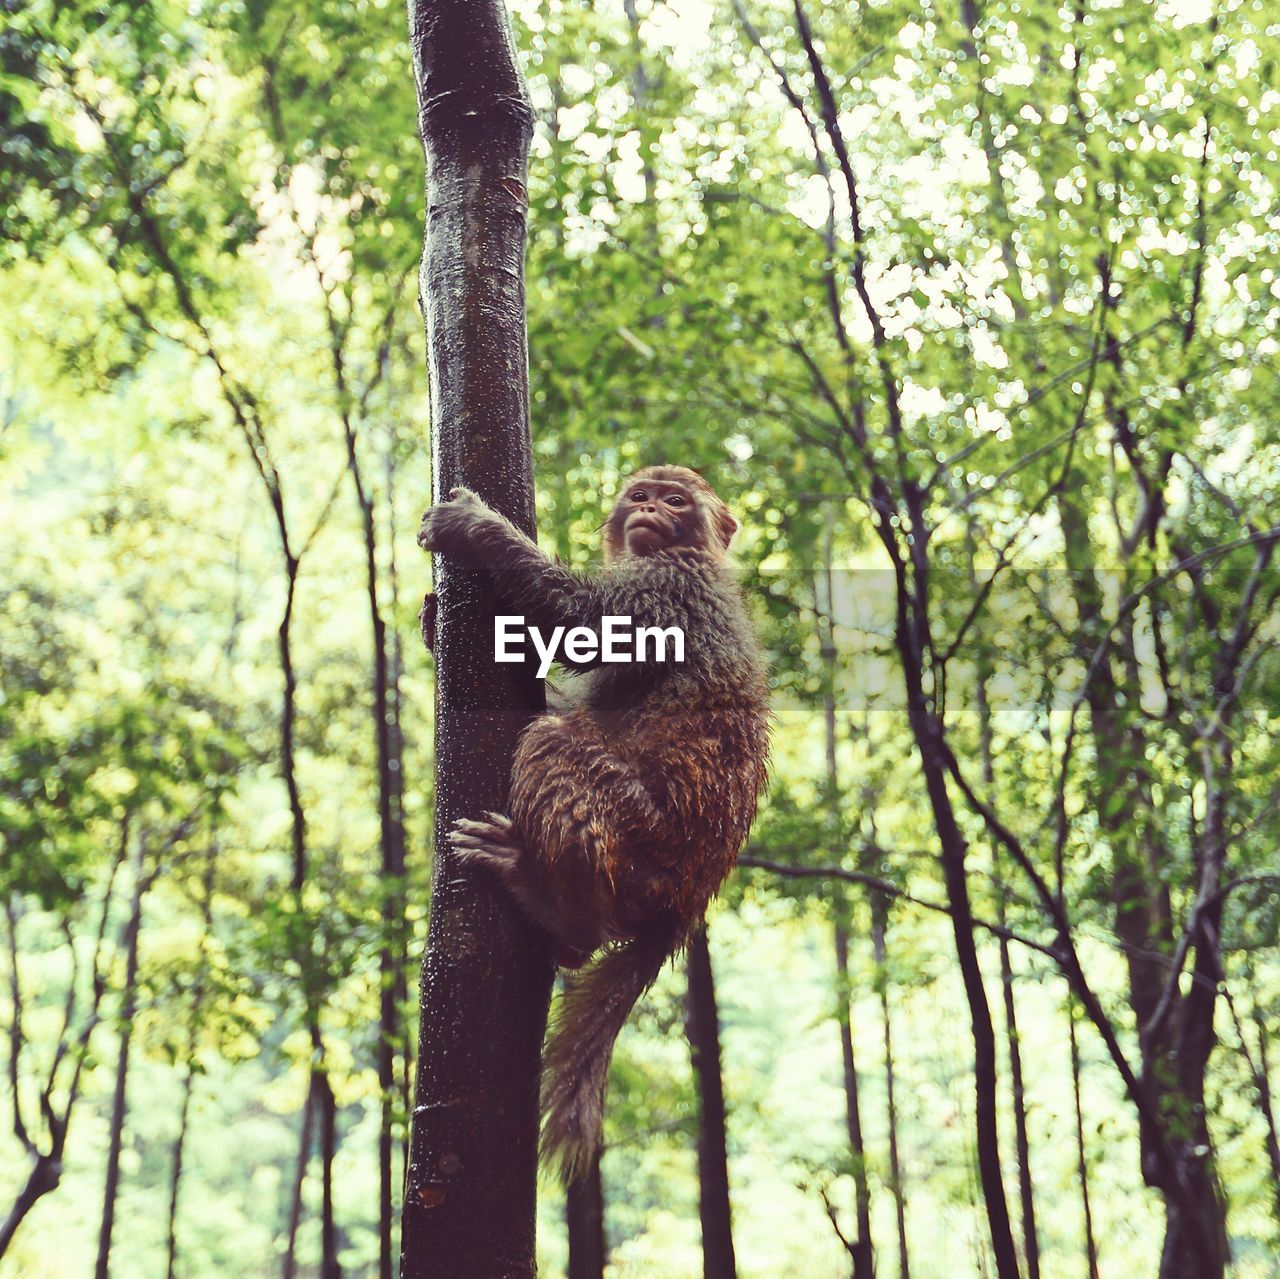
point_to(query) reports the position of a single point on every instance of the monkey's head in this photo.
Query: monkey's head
(666, 506)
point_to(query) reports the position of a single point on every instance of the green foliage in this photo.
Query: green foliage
(211, 222)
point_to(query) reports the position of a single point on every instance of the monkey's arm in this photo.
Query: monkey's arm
(547, 593)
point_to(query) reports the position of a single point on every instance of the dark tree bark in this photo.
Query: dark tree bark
(584, 1213)
(486, 976)
(703, 1027)
(119, 1098)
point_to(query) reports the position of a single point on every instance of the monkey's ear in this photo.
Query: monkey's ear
(726, 526)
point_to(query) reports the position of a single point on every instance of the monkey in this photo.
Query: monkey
(630, 804)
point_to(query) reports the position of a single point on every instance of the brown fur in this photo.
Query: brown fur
(629, 807)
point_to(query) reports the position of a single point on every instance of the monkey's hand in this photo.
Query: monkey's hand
(456, 526)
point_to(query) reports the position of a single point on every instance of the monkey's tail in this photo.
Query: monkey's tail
(575, 1064)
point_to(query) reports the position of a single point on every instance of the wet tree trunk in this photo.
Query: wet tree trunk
(486, 976)
(584, 1211)
(703, 1027)
(119, 1099)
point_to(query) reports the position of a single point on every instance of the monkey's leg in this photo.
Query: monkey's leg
(590, 822)
(493, 843)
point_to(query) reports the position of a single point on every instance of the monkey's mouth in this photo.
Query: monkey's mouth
(648, 533)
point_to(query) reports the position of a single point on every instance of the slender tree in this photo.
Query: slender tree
(879, 928)
(703, 1026)
(860, 1247)
(71, 1047)
(119, 1096)
(1082, 1161)
(486, 977)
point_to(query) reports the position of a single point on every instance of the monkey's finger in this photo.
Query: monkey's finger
(496, 831)
(478, 854)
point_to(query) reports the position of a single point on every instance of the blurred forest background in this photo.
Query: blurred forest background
(969, 310)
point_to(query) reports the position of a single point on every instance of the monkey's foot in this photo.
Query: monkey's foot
(491, 842)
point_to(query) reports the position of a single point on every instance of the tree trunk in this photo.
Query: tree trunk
(824, 609)
(860, 1249)
(584, 1211)
(43, 1179)
(390, 841)
(175, 1174)
(189, 1081)
(327, 1108)
(879, 921)
(703, 1027)
(1262, 1077)
(487, 972)
(1021, 1141)
(119, 1100)
(1176, 1036)
(928, 733)
(1082, 1163)
(46, 1167)
(299, 1176)
(395, 671)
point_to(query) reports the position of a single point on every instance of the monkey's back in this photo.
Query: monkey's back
(705, 766)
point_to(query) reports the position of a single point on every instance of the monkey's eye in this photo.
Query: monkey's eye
(674, 499)
(639, 496)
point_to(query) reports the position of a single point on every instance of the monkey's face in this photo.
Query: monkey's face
(663, 507)
(653, 515)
